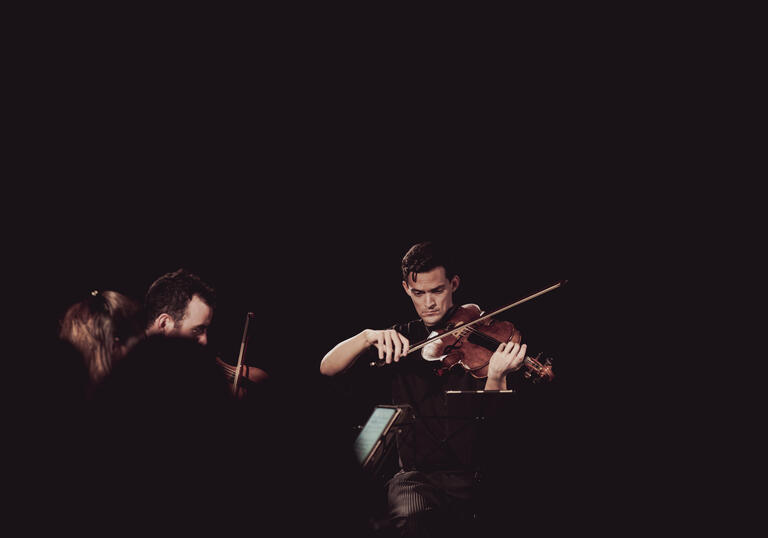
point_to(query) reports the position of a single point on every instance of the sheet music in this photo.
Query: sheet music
(374, 427)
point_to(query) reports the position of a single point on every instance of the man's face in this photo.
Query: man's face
(431, 293)
(196, 321)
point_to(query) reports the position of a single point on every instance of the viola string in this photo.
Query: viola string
(498, 342)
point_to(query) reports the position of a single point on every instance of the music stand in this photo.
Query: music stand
(374, 443)
(477, 404)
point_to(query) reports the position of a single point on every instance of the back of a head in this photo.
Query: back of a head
(170, 377)
(166, 417)
(102, 327)
(171, 293)
(166, 402)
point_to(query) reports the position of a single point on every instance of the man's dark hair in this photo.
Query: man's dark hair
(425, 256)
(172, 292)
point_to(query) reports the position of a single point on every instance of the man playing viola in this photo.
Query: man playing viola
(436, 487)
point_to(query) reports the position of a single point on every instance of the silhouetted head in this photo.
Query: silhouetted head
(180, 303)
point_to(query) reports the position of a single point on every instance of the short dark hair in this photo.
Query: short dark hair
(425, 256)
(171, 293)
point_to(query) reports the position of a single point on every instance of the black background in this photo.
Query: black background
(296, 190)
(297, 204)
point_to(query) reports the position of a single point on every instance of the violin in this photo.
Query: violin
(470, 337)
(230, 372)
(238, 375)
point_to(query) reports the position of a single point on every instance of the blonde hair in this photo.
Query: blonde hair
(102, 327)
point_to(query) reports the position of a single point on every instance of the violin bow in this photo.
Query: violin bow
(243, 345)
(486, 316)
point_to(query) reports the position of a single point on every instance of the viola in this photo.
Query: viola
(471, 346)
(471, 336)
